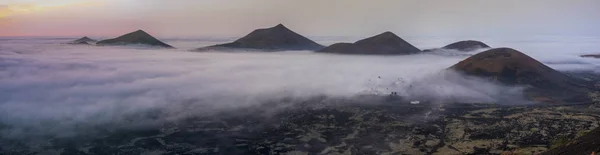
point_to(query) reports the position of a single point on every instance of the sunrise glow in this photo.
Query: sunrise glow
(21, 8)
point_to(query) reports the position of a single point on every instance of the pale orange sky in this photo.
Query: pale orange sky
(200, 18)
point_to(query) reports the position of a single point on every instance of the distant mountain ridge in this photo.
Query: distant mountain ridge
(591, 56)
(137, 37)
(386, 43)
(466, 45)
(83, 41)
(277, 38)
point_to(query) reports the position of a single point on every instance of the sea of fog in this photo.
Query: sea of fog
(48, 86)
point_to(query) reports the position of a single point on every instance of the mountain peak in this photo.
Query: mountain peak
(500, 61)
(386, 43)
(136, 37)
(84, 40)
(383, 38)
(277, 38)
(466, 45)
(280, 26)
(140, 32)
(387, 34)
(512, 67)
(502, 57)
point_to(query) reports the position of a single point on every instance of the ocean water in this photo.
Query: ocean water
(53, 87)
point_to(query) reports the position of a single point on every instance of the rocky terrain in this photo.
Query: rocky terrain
(83, 41)
(138, 37)
(277, 38)
(321, 125)
(386, 43)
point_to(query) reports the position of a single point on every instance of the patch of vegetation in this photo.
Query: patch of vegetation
(560, 141)
(582, 133)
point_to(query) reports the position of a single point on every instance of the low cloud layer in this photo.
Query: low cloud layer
(51, 88)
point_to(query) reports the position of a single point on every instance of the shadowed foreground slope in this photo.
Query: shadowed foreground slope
(585, 145)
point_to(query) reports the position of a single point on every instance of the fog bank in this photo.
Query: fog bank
(51, 88)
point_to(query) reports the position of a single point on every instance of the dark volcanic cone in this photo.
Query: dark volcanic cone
(83, 41)
(512, 67)
(586, 145)
(278, 38)
(467, 45)
(386, 43)
(137, 37)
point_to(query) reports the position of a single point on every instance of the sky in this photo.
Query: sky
(213, 18)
